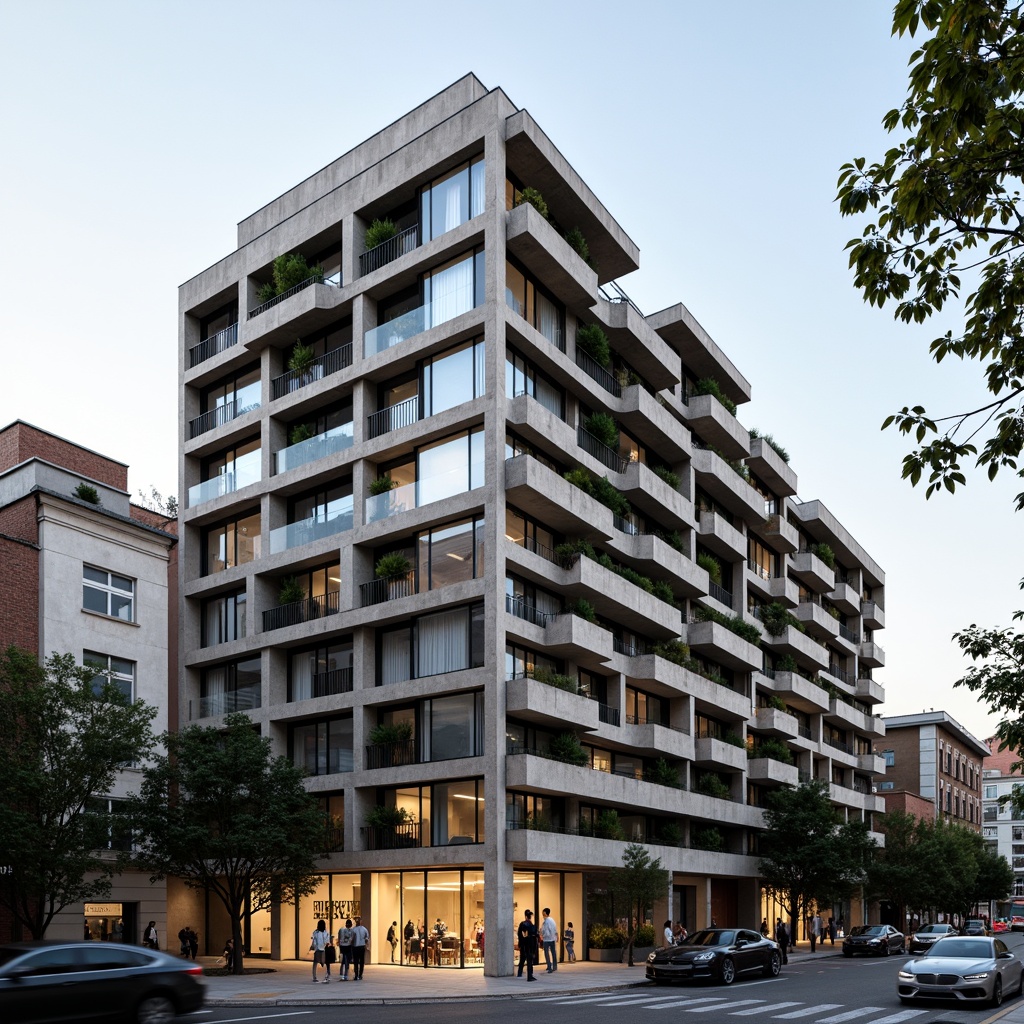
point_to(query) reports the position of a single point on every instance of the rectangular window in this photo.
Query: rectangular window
(110, 831)
(527, 810)
(522, 663)
(761, 559)
(234, 686)
(458, 813)
(452, 199)
(451, 554)
(320, 672)
(453, 377)
(529, 534)
(228, 471)
(453, 727)
(117, 671)
(991, 792)
(890, 758)
(107, 593)
(223, 618)
(323, 747)
(516, 446)
(232, 543)
(525, 296)
(644, 708)
(446, 641)
(449, 467)
(523, 378)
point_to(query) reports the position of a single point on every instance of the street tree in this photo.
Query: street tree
(638, 884)
(218, 811)
(896, 873)
(808, 856)
(947, 224)
(994, 880)
(65, 731)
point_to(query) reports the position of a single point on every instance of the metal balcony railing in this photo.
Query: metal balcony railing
(605, 455)
(394, 417)
(390, 755)
(334, 681)
(306, 610)
(629, 650)
(213, 345)
(720, 594)
(323, 366)
(758, 570)
(294, 290)
(608, 715)
(848, 634)
(387, 588)
(593, 369)
(381, 255)
(218, 417)
(391, 837)
(522, 609)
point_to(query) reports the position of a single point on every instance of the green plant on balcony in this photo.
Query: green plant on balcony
(627, 378)
(776, 703)
(666, 474)
(391, 732)
(771, 442)
(557, 679)
(710, 386)
(605, 561)
(711, 785)
(594, 342)
(538, 823)
(825, 553)
(381, 230)
(568, 553)
(674, 651)
(534, 198)
(833, 611)
(580, 477)
(394, 563)
(734, 739)
(712, 566)
(582, 609)
(601, 426)
(773, 749)
(87, 493)
(566, 747)
(707, 839)
(787, 663)
(775, 617)
(745, 630)
(302, 359)
(388, 816)
(670, 833)
(663, 592)
(290, 590)
(674, 539)
(300, 432)
(661, 773)
(645, 583)
(382, 485)
(289, 270)
(604, 936)
(608, 826)
(611, 497)
(578, 243)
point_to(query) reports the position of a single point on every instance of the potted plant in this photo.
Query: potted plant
(301, 361)
(300, 432)
(712, 567)
(382, 230)
(86, 492)
(605, 943)
(396, 738)
(290, 591)
(394, 567)
(382, 484)
(534, 198)
(566, 747)
(592, 340)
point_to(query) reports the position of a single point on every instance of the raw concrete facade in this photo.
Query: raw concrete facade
(49, 540)
(538, 620)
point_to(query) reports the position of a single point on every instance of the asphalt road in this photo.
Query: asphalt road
(811, 990)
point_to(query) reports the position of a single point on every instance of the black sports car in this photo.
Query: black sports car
(874, 939)
(719, 953)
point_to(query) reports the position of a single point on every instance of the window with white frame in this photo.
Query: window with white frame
(118, 671)
(107, 593)
(991, 792)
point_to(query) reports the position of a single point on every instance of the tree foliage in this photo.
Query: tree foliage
(808, 856)
(948, 220)
(220, 813)
(639, 883)
(64, 733)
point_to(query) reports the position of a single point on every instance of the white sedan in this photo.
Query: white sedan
(965, 968)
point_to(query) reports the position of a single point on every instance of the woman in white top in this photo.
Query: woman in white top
(318, 942)
(670, 939)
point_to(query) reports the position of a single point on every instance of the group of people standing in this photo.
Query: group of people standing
(817, 931)
(353, 942)
(674, 934)
(189, 941)
(529, 935)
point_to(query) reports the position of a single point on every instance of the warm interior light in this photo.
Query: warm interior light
(458, 558)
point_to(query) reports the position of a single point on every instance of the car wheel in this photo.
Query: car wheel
(155, 1010)
(847, 953)
(773, 967)
(997, 992)
(728, 971)
(906, 1000)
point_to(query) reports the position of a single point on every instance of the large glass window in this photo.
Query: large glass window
(234, 686)
(450, 467)
(453, 727)
(522, 378)
(516, 446)
(526, 600)
(223, 618)
(320, 672)
(522, 663)
(451, 554)
(447, 641)
(323, 747)
(233, 395)
(760, 559)
(524, 295)
(232, 543)
(118, 671)
(227, 471)
(108, 593)
(453, 377)
(528, 533)
(643, 708)
(454, 288)
(452, 199)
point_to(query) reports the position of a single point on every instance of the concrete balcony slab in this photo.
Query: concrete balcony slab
(816, 621)
(773, 722)
(649, 494)
(812, 572)
(719, 428)
(874, 614)
(723, 646)
(710, 696)
(871, 654)
(586, 643)
(651, 555)
(646, 419)
(668, 743)
(870, 692)
(727, 487)
(766, 463)
(874, 764)
(648, 353)
(800, 693)
(545, 704)
(720, 537)
(710, 752)
(785, 591)
(539, 427)
(845, 598)
(767, 770)
(781, 536)
(799, 645)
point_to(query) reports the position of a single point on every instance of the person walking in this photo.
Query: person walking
(764, 927)
(409, 934)
(360, 944)
(815, 930)
(832, 930)
(549, 936)
(193, 943)
(393, 939)
(330, 954)
(183, 939)
(345, 938)
(527, 934)
(569, 937)
(679, 933)
(149, 936)
(670, 936)
(782, 938)
(318, 942)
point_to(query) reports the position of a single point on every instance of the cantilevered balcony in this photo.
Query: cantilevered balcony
(212, 346)
(381, 255)
(768, 770)
(706, 415)
(812, 571)
(798, 692)
(817, 621)
(322, 446)
(608, 457)
(306, 531)
(388, 588)
(871, 655)
(323, 366)
(225, 413)
(773, 722)
(294, 290)
(874, 616)
(416, 321)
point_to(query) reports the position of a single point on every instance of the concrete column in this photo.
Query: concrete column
(500, 929)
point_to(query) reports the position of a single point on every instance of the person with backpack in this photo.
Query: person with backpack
(345, 940)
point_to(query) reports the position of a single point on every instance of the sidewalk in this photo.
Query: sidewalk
(291, 983)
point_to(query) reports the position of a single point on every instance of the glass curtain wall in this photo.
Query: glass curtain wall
(452, 199)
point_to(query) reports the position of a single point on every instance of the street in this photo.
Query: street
(824, 989)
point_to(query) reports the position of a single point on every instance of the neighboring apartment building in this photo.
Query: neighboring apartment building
(1002, 828)
(934, 756)
(447, 394)
(95, 581)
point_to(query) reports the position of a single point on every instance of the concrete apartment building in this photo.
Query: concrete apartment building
(933, 756)
(1002, 827)
(99, 582)
(447, 395)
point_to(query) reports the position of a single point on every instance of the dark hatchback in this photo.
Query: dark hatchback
(722, 954)
(875, 940)
(95, 981)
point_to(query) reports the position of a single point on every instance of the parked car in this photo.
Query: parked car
(922, 940)
(876, 939)
(722, 954)
(965, 968)
(974, 926)
(95, 981)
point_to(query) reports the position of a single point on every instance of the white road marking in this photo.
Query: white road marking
(807, 1011)
(763, 1009)
(895, 1018)
(633, 1000)
(686, 1002)
(725, 1006)
(266, 1016)
(839, 1018)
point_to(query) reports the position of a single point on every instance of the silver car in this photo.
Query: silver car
(925, 937)
(965, 968)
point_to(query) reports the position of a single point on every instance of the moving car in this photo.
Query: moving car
(925, 936)
(876, 939)
(974, 926)
(95, 981)
(1000, 924)
(718, 953)
(965, 968)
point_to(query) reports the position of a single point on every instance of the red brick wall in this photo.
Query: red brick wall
(19, 575)
(20, 442)
(901, 800)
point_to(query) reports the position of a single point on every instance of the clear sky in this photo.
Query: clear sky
(136, 135)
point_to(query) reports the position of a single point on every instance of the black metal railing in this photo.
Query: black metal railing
(216, 418)
(629, 650)
(323, 366)
(390, 755)
(391, 837)
(522, 609)
(608, 715)
(532, 544)
(804, 731)
(720, 594)
(838, 744)
(605, 455)
(306, 610)
(593, 369)
(294, 290)
(388, 588)
(394, 417)
(327, 684)
(767, 672)
(611, 291)
(334, 839)
(381, 255)
(847, 677)
(848, 634)
(213, 345)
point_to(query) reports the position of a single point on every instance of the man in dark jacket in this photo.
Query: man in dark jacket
(527, 945)
(782, 938)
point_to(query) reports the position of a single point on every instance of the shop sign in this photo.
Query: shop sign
(102, 909)
(323, 909)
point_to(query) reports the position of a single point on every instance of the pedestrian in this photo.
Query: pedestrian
(330, 954)
(841, 928)
(228, 955)
(393, 939)
(410, 934)
(569, 937)
(549, 935)
(764, 927)
(782, 938)
(815, 929)
(318, 943)
(360, 944)
(679, 933)
(832, 930)
(714, 923)
(670, 936)
(183, 939)
(193, 943)
(527, 934)
(345, 939)
(149, 936)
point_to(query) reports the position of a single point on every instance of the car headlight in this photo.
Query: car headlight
(874, 942)
(905, 976)
(977, 977)
(650, 958)
(703, 958)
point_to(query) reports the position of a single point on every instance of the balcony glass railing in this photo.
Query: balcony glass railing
(330, 442)
(244, 699)
(418, 320)
(294, 535)
(416, 494)
(246, 471)
(213, 345)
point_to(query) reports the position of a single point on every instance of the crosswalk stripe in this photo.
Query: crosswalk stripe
(633, 1000)
(807, 1011)
(895, 1018)
(763, 1009)
(839, 1018)
(725, 1006)
(686, 1002)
